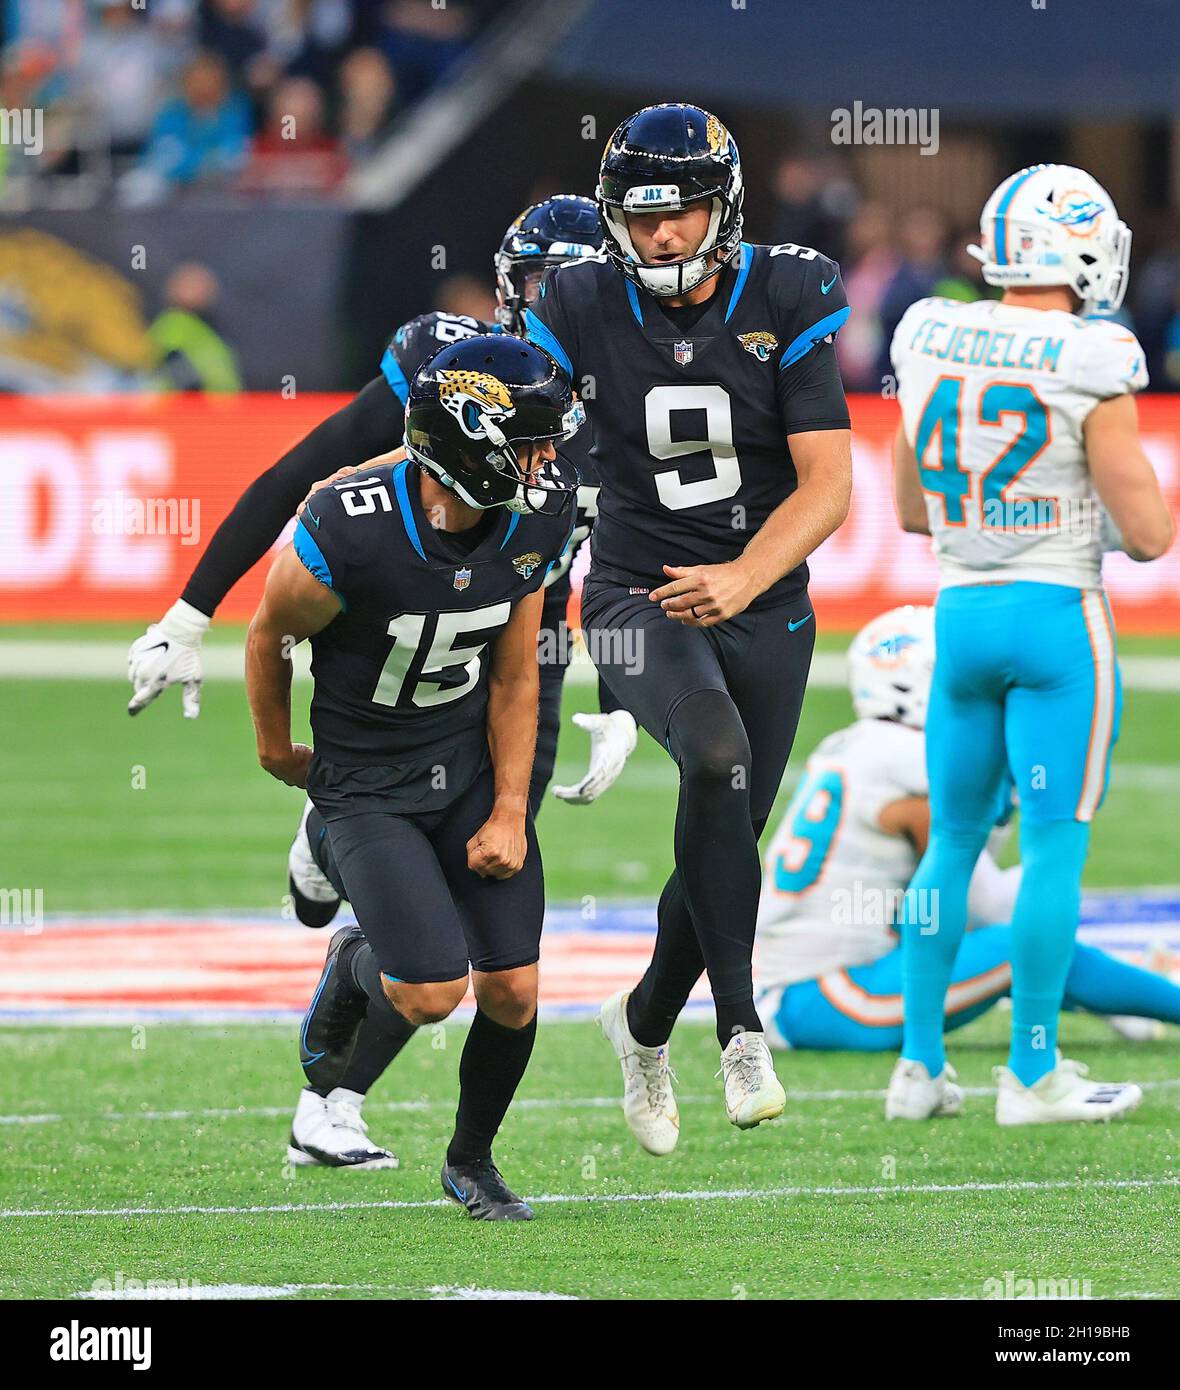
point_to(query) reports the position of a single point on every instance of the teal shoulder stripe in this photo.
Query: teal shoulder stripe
(391, 370)
(311, 555)
(544, 337)
(633, 299)
(810, 336)
(744, 263)
(313, 560)
(402, 492)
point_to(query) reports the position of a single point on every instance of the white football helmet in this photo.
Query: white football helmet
(1052, 224)
(891, 664)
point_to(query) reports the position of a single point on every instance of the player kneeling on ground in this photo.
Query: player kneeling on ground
(419, 584)
(829, 955)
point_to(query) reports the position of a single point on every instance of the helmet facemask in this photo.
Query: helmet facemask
(528, 486)
(518, 279)
(670, 279)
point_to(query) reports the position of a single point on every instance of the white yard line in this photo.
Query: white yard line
(207, 1292)
(53, 658)
(416, 1106)
(705, 1194)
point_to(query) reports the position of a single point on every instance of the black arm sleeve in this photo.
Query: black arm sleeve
(811, 394)
(370, 424)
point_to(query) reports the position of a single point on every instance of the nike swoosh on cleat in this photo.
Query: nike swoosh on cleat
(462, 1196)
(792, 625)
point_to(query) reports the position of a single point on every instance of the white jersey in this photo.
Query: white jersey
(833, 880)
(993, 398)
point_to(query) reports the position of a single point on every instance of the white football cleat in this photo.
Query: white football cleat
(912, 1095)
(753, 1092)
(329, 1130)
(316, 901)
(612, 741)
(649, 1107)
(1061, 1096)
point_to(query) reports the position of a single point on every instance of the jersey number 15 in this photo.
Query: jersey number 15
(443, 669)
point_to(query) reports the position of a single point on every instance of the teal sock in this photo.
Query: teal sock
(1104, 985)
(1044, 922)
(933, 920)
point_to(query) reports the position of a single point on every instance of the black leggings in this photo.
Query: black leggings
(725, 702)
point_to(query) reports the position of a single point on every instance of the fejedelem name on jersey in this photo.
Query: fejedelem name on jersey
(984, 347)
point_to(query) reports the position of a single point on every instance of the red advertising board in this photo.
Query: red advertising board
(106, 506)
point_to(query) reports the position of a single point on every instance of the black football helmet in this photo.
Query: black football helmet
(662, 159)
(472, 403)
(562, 229)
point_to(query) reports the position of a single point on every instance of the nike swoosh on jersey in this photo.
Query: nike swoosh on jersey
(825, 289)
(792, 624)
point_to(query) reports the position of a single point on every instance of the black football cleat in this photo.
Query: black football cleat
(482, 1190)
(330, 1026)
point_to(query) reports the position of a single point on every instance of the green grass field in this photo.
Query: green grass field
(176, 1136)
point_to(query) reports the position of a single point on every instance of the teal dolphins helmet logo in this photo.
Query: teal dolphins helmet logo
(1079, 211)
(891, 664)
(1052, 224)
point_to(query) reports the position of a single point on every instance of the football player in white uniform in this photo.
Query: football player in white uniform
(829, 961)
(1019, 453)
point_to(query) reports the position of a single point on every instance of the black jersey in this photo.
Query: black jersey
(401, 673)
(576, 452)
(691, 409)
(419, 339)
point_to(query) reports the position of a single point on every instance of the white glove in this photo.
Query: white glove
(169, 653)
(612, 741)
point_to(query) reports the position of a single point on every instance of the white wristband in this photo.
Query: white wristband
(184, 624)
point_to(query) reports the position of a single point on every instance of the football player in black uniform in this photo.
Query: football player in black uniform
(722, 444)
(419, 585)
(558, 230)
(550, 233)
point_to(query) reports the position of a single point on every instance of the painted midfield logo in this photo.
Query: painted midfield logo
(682, 352)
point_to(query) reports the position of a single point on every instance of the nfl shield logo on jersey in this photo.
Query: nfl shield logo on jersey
(462, 578)
(682, 351)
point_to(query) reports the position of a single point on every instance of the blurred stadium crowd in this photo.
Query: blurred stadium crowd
(891, 258)
(172, 104)
(268, 96)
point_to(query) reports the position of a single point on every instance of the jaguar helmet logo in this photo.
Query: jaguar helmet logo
(718, 138)
(760, 344)
(474, 398)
